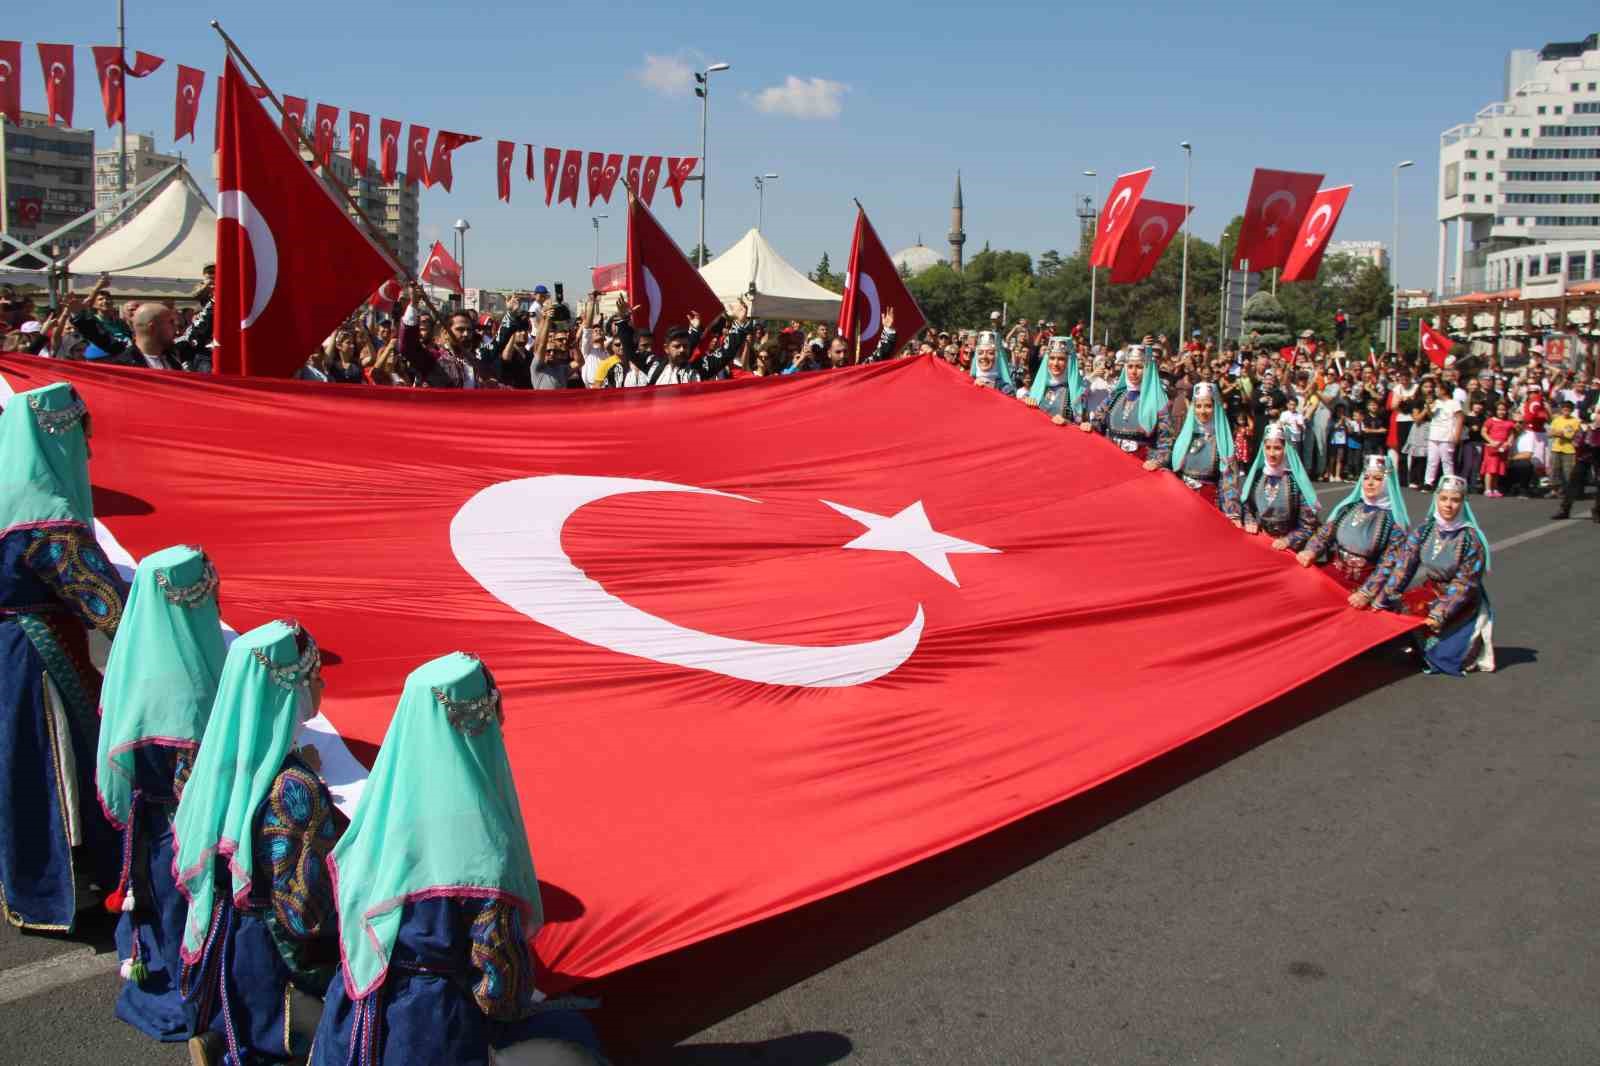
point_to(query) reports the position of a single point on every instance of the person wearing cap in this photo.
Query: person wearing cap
(1136, 416)
(1451, 555)
(56, 586)
(1202, 454)
(1277, 497)
(161, 678)
(1363, 531)
(991, 367)
(251, 835)
(435, 946)
(1058, 386)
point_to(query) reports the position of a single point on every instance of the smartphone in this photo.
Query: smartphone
(561, 296)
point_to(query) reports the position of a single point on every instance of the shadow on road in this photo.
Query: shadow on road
(1506, 658)
(653, 1006)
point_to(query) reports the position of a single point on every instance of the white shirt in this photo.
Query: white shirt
(1442, 426)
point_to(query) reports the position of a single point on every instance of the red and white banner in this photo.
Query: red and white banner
(1435, 345)
(571, 175)
(1278, 204)
(735, 679)
(30, 210)
(11, 81)
(663, 286)
(55, 62)
(389, 150)
(387, 294)
(360, 135)
(1151, 226)
(110, 72)
(444, 143)
(527, 162)
(872, 286)
(678, 172)
(604, 170)
(294, 118)
(324, 135)
(417, 156)
(552, 172)
(441, 269)
(1124, 196)
(186, 107)
(1305, 258)
(505, 154)
(612, 277)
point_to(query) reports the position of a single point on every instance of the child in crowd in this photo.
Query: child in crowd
(1497, 433)
(1338, 433)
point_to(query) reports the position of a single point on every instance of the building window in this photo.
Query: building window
(1472, 153)
(1586, 107)
(1558, 109)
(1488, 199)
(1471, 175)
(1488, 176)
(1574, 86)
(1577, 267)
(1489, 154)
(1524, 133)
(1541, 109)
(1533, 268)
(1505, 133)
(1470, 198)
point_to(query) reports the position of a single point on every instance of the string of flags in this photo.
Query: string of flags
(564, 169)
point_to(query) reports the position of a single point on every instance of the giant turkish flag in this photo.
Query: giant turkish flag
(1279, 201)
(738, 677)
(872, 285)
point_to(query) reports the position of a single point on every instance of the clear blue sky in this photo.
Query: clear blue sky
(1021, 96)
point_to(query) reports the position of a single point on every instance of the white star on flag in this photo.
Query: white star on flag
(910, 532)
(1272, 231)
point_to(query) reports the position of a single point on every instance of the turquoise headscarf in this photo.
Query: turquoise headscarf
(261, 696)
(1002, 363)
(1397, 499)
(1074, 377)
(439, 817)
(1456, 483)
(1152, 393)
(44, 459)
(1221, 430)
(162, 673)
(1308, 491)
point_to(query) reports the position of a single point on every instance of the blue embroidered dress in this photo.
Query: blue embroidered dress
(1450, 565)
(1119, 422)
(1277, 504)
(1202, 469)
(1359, 545)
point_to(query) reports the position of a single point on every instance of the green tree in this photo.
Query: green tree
(823, 275)
(694, 255)
(1265, 324)
(1049, 264)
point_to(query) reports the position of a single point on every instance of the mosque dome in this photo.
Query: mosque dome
(916, 259)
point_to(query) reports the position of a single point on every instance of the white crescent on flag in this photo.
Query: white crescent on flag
(188, 93)
(1117, 204)
(5, 69)
(869, 288)
(1147, 242)
(1314, 232)
(234, 204)
(57, 72)
(652, 297)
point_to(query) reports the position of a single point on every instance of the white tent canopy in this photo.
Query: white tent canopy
(161, 250)
(780, 291)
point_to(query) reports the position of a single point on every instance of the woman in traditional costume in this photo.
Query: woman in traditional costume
(991, 369)
(161, 678)
(1136, 416)
(1277, 497)
(252, 835)
(436, 889)
(1058, 386)
(55, 586)
(1450, 553)
(1363, 531)
(1202, 455)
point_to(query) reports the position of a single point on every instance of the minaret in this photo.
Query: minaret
(957, 236)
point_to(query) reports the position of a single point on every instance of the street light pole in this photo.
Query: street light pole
(1183, 285)
(1093, 274)
(461, 226)
(596, 220)
(761, 198)
(703, 90)
(122, 130)
(1394, 262)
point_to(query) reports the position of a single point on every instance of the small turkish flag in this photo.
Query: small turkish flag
(441, 269)
(595, 165)
(634, 170)
(294, 119)
(290, 263)
(11, 80)
(417, 156)
(360, 131)
(388, 294)
(327, 118)
(55, 60)
(505, 153)
(1435, 345)
(610, 171)
(663, 286)
(1151, 226)
(872, 286)
(30, 210)
(1279, 201)
(552, 169)
(1116, 214)
(678, 171)
(652, 175)
(144, 64)
(389, 150)
(108, 66)
(571, 168)
(1305, 258)
(527, 162)
(191, 83)
(445, 143)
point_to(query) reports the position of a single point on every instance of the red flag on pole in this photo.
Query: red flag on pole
(327, 118)
(109, 69)
(610, 277)
(610, 171)
(505, 153)
(1115, 215)
(294, 118)
(1279, 200)
(527, 162)
(290, 263)
(678, 171)
(144, 64)
(191, 83)
(441, 269)
(360, 131)
(873, 286)
(388, 294)
(635, 171)
(571, 174)
(552, 172)
(55, 60)
(417, 156)
(595, 167)
(445, 143)
(1435, 345)
(652, 175)
(1305, 258)
(1151, 227)
(11, 80)
(663, 286)
(389, 150)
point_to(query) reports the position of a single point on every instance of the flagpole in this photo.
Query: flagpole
(122, 132)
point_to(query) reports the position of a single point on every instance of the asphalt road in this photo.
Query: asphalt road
(1381, 868)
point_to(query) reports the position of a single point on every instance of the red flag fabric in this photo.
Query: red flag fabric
(30, 210)
(294, 118)
(595, 167)
(652, 175)
(327, 118)
(387, 294)
(1305, 258)
(144, 64)
(829, 689)
(389, 150)
(55, 60)
(360, 132)
(1279, 200)
(110, 72)
(610, 171)
(571, 173)
(527, 162)
(1124, 196)
(552, 172)
(290, 263)
(872, 286)
(1151, 227)
(186, 106)
(417, 156)
(663, 286)
(612, 277)
(634, 171)
(441, 269)
(505, 154)
(1435, 345)
(678, 171)
(445, 143)
(11, 80)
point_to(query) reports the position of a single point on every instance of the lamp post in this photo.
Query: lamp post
(596, 220)
(1394, 261)
(1093, 274)
(461, 226)
(1183, 285)
(761, 197)
(702, 89)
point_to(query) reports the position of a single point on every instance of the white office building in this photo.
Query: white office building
(1520, 184)
(1374, 252)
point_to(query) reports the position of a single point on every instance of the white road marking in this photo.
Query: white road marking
(1539, 531)
(68, 968)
